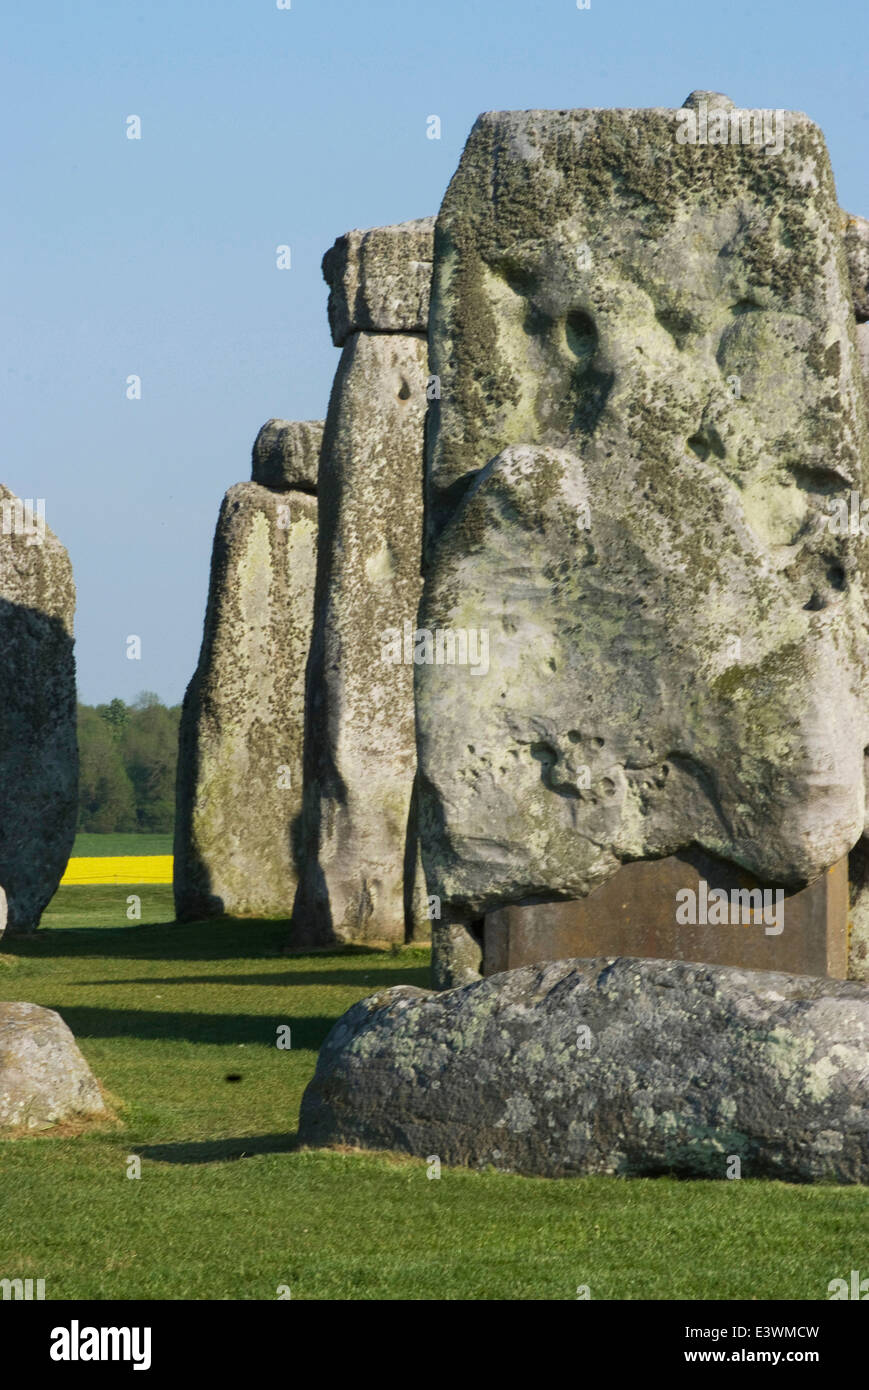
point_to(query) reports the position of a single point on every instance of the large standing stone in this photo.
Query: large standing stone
(607, 1066)
(357, 855)
(650, 402)
(240, 752)
(38, 750)
(44, 1079)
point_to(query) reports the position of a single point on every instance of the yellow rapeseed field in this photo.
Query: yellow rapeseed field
(124, 868)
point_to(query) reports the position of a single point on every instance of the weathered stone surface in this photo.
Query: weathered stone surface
(44, 1079)
(650, 398)
(863, 350)
(856, 233)
(360, 754)
(286, 454)
(38, 749)
(379, 280)
(607, 1066)
(239, 783)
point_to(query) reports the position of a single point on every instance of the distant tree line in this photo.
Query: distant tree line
(127, 760)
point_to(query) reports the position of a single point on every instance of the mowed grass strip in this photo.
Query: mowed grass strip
(127, 868)
(228, 1207)
(89, 843)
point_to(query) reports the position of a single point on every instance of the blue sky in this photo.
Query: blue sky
(263, 127)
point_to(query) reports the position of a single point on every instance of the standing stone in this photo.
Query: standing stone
(44, 1079)
(358, 850)
(38, 749)
(856, 234)
(650, 404)
(360, 752)
(241, 739)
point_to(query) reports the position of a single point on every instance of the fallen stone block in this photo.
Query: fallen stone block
(618, 1066)
(286, 454)
(379, 280)
(44, 1079)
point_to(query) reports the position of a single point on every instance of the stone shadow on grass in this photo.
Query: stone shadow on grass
(151, 1025)
(378, 977)
(228, 938)
(218, 1150)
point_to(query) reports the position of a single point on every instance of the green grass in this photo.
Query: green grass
(105, 905)
(105, 845)
(227, 1207)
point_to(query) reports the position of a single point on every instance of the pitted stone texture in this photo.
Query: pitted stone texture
(379, 280)
(607, 1066)
(239, 785)
(648, 403)
(357, 855)
(44, 1080)
(286, 454)
(856, 233)
(38, 747)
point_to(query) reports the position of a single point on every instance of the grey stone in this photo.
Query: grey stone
(607, 1066)
(379, 280)
(650, 398)
(714, 101)
(286, 454)
(239, 786)
(38, 748)
(360, 755)
(856, 234)
(44, 1080)
(863, 350)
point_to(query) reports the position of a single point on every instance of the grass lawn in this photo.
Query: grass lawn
(86, 846)
(227, 1207)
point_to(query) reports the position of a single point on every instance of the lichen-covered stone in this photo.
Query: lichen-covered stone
(286, 454)
(379, 280)
(856, 233)
(607, 1066)
(38, 749)
(44, 1080)
(239, 783)
(650, 401)
(357, 856)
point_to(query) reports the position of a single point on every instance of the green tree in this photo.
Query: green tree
(106, 799)
(149, 746)
(115, 714)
